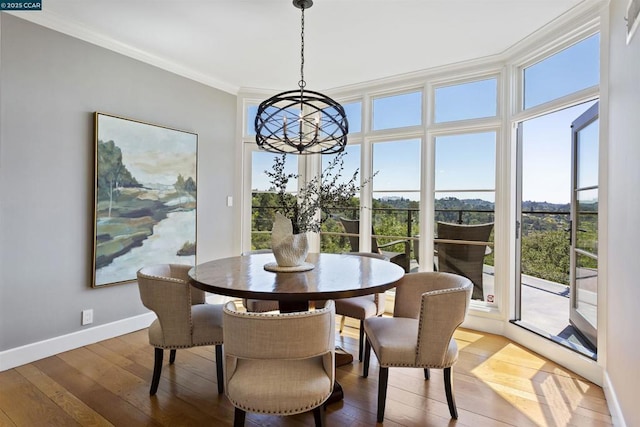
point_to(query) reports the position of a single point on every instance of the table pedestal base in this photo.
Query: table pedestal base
(293, 306)
(343, 357)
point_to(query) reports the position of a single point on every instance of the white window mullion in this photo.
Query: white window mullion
(366, 170)
(310, 166)
(366, 195)
(427, 206)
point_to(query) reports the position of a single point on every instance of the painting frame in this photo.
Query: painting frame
(632, 18)
(145, 198)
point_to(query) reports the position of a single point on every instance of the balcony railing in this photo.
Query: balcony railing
(388, 223)
(545, 236)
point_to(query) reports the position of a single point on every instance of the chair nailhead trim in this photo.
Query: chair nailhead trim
(436, 292)
(165, 278)
(262, 315)
(410, 365)
(289, 412)
(175, 347)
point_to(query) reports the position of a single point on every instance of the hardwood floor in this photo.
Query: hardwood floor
(496, 383)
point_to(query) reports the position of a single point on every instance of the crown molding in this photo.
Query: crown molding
(62, 25)
(582, 18)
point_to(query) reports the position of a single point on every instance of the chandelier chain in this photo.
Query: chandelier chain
(302, 83)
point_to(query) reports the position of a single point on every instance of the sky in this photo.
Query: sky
(465, 163)
(546, 162)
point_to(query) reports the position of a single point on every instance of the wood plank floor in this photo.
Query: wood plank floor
(496, 383)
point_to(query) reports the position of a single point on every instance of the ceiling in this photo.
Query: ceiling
(233, 44)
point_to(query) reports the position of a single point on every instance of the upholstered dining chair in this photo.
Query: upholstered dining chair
(428, 309)
(279, 363)
(362, 307)
(184, 319)
(352, 226)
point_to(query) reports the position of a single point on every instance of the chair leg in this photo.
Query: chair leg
(238, 418)
(427, 375)
(361, 342)
(319, 417)
(219, 372)
(382, 392)
(448, 388)
(342, 323)
(157, 370)
(172, 356)
(367, 358)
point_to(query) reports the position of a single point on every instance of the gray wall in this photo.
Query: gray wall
(623, 332)
(50, 86)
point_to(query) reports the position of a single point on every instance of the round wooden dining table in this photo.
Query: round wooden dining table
(334, 276)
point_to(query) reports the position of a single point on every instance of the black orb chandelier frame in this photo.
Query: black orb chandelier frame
(301, 121)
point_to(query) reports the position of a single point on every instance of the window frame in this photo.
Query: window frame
(509, 110)
(388, 93)
(544, 52)
(498, 76)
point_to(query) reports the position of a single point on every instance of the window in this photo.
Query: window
(251, 111)
(566, 72)
(465, 167)
(390, 179)
(465, 101)
(354, 116)
(465, 194)
(397, 111)
(465, 162)
(330, 240)
(396, 193)
(264, 202)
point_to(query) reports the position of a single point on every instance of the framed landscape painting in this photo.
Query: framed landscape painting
(145, 198)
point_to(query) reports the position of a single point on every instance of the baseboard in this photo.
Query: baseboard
(612, 402)
(39, 350)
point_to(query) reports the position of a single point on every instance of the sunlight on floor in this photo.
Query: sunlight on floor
(547, 394)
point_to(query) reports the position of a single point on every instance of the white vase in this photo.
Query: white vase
(290, 250)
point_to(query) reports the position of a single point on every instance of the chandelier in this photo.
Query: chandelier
(301, 121)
